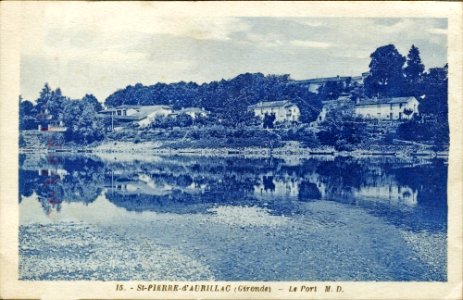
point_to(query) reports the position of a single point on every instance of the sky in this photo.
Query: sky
(102, 51)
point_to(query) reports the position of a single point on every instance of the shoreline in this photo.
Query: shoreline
(150, 148)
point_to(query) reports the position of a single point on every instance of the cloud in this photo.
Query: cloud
(310, 23)
(438, 31)
(310, 44)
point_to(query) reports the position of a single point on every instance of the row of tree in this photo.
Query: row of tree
(394, 75)
(51, 107)
(227, 99)
(391, 75)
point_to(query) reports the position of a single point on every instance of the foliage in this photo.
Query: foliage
(228, 100)
(435, 131)
(82, 122)
(27, 115)
(386, 75)
(435, 91)
(269, 120)
(342, 133)
(413, 72)
(330, 90)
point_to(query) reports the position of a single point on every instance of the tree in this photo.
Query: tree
(414, 71)
(269, 120)
(435, 91)
(27, 115)
(82, 122)
(330, 90)
(90, 99)
(50, 105)
(341, 132)
(184, 120)
(386, 77)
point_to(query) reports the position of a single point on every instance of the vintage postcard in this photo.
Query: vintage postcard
(231, 150)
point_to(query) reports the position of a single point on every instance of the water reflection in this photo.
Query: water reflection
(411, 194)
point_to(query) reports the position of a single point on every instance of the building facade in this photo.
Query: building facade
(284, 111)
(392, 109)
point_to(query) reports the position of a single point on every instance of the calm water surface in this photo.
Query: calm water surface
(200, 218)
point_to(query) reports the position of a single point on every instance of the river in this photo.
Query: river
(120, 217)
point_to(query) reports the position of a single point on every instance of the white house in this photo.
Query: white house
(143, 115)
(284, 111)
(150, 113)
(193, 112)
(400, 108)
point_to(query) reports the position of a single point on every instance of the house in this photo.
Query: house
(143, 115)
(284, 111)
(314, 84)
(360, 80)
(399, 108)
(47, 123)
(193, 112)
(343, 105)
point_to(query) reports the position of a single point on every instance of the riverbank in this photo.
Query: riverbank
(80, 251)
(323, 241)
(157, 148)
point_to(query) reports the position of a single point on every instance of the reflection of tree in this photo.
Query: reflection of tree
(188, 185)
(429, 180)
(344, 172)
(308, 191)
(80, 180)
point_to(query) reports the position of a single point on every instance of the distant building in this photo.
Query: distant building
(284, 111)
(143, 115)
(314, 84)
(360, 80)
(47, 123)
(400, 108)
(193, 112)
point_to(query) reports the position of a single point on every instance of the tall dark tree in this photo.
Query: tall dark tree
(90, 99)
(27, 115)
(414, 71)
(386, 73)
(50, 105)
(435, 90)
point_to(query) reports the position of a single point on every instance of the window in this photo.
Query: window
(400, 105)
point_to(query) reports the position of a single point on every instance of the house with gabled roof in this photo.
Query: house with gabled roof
(392, 109)
(284, 111)
(143, 115)
(193, 112)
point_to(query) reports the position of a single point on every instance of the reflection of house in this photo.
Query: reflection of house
(147, 185)
(284, 111)
(271, 187)
(401, 108)
(392, 192)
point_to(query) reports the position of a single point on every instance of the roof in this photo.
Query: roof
(323, 80)
(271, 104)
(380, 101)
(144, 108)
(142, 111)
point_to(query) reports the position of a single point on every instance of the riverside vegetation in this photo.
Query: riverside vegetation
(231, 125)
